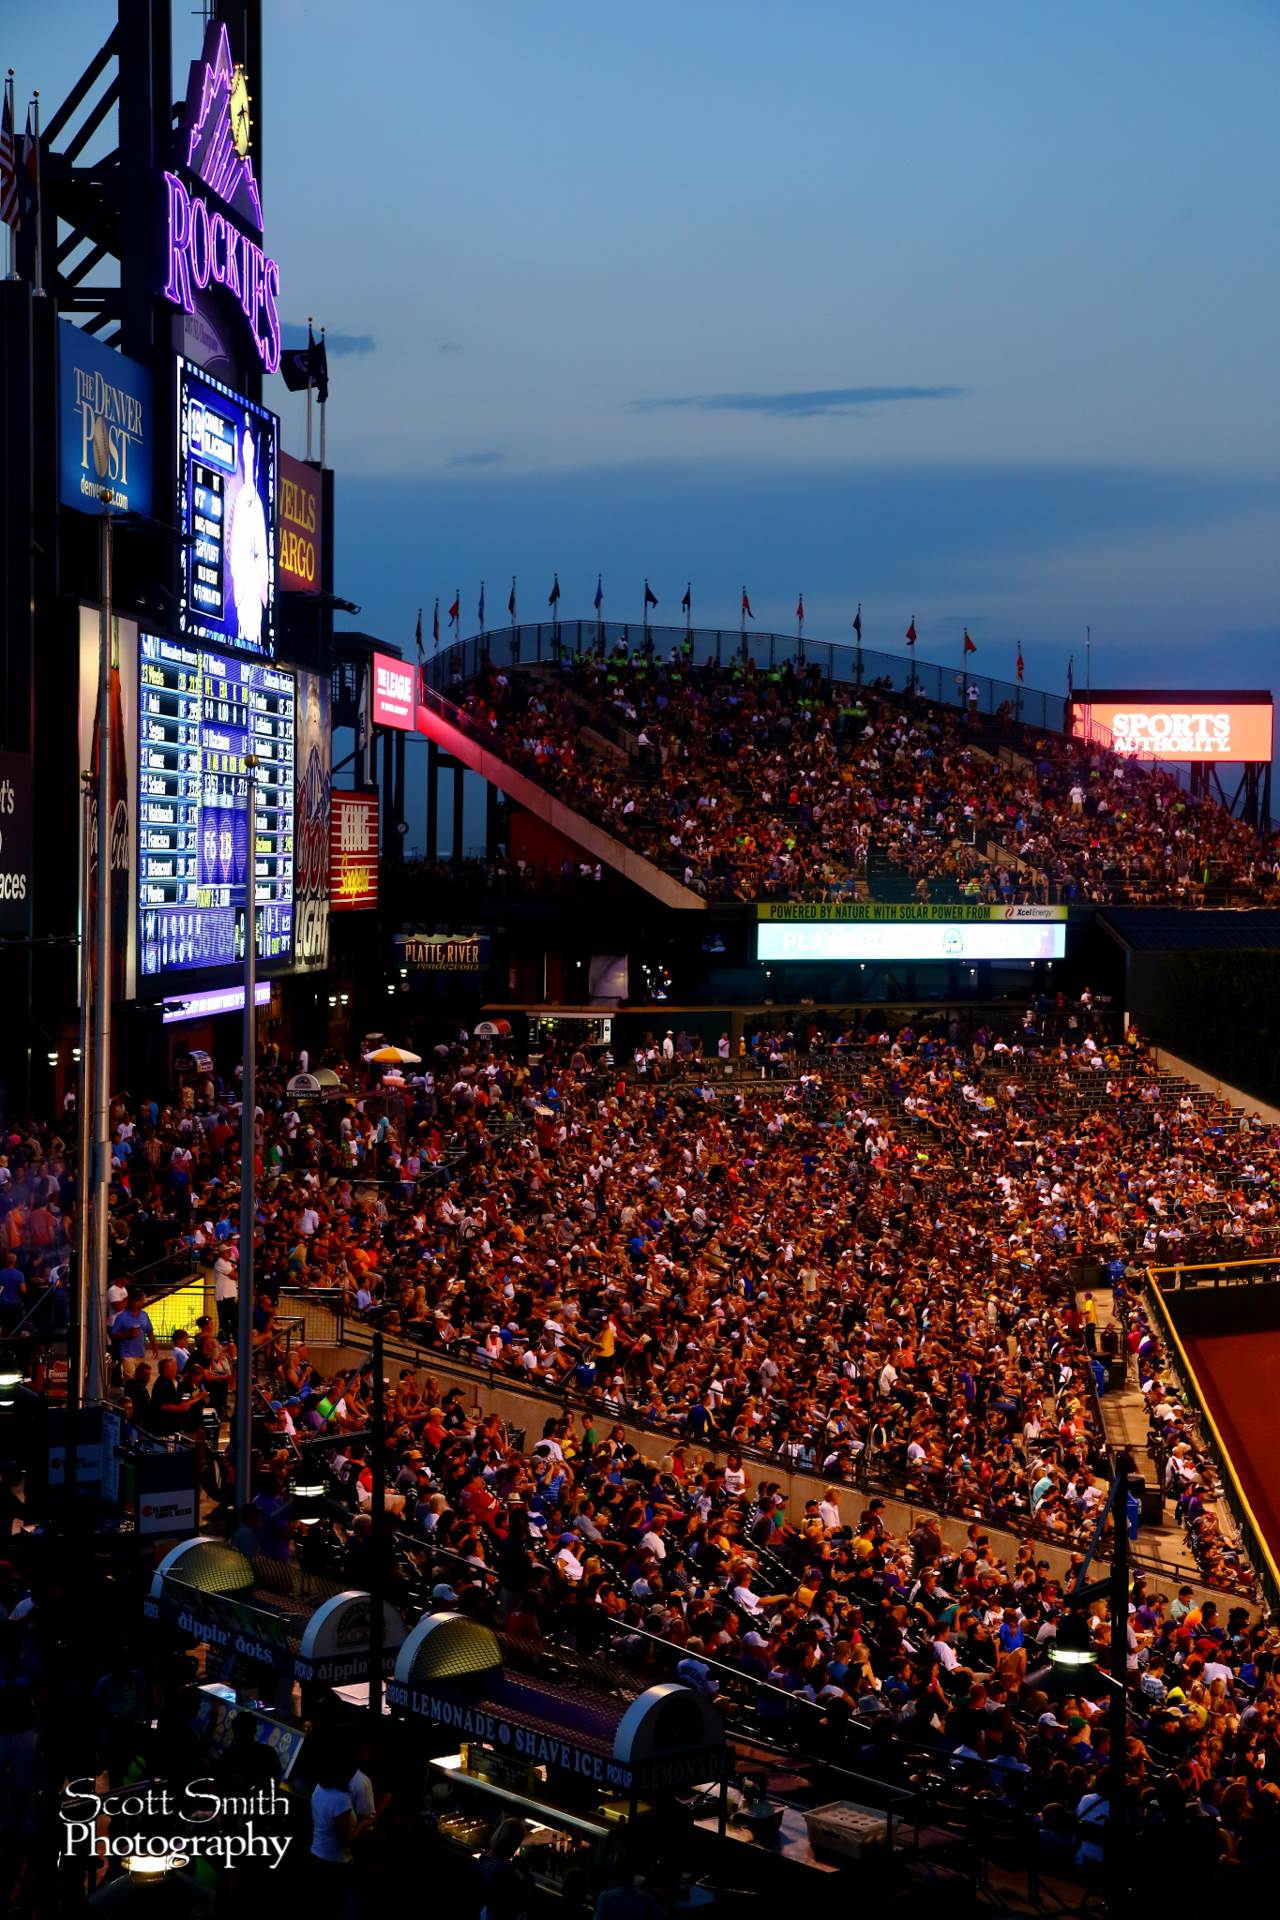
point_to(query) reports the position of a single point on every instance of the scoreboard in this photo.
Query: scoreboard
(200, 712)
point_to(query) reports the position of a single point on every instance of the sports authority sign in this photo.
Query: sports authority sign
(16, 817)
(353, 851)
(1182, 726)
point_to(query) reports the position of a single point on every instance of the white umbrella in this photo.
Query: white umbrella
(395, 1057)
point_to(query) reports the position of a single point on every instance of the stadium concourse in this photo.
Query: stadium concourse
(866, 1262)
(751, 783)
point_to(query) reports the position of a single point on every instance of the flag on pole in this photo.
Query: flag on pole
(857, 623)
(686, 605)
(746, 606)
(911, 632)
(553, 598)
(300, 366)
(968, 644)
(28, 203)
(8, 163)
(456, 608)
(418, 634)
(650, 597)
(480, 609)
(435, 624)
(1019, 663)
(511, 599)
(599, 599)
(1071, 684)
(800, 611)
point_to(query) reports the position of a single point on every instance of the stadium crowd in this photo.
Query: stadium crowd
(861, 1262)
(757, 784)
(859, 1258)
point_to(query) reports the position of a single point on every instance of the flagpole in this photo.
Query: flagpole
(1088, 662)
(310, 383)
(644, 612)
(688, 611)
(324, 408)
(11, 103)
(39, 209)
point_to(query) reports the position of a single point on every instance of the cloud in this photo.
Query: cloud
(489, 458)
(339, 344)
(810, 405)
(451, 346)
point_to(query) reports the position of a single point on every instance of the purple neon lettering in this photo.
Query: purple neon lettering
(199, 248)
(233, 261)
(270, 347)
(203, 245)
(178, 284)
(217, 239)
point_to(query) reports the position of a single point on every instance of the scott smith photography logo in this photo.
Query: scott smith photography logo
(170, 1825)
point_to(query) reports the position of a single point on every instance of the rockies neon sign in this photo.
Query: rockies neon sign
(204, 246)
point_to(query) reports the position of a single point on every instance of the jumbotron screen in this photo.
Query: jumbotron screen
(227, 460)
(1200, 727)
(200, 711)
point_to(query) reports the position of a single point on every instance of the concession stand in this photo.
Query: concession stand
(595, 1775)
(267, 1621)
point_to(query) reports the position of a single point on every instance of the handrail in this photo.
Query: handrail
(559, 642)
(1222, 1267)
(1259, 1550)
(476, 1374)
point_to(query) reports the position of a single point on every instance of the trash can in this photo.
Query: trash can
(1117, 1373)
(1152, 1503)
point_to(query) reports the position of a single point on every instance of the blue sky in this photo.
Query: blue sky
(966, 312)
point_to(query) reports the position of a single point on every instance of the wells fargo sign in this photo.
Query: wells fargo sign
(300, 527)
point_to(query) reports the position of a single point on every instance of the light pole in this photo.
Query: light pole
(248, 1145)
(96, 1290)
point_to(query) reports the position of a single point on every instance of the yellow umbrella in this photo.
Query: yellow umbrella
(395, 1057)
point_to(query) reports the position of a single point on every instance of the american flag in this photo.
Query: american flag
(8, 167)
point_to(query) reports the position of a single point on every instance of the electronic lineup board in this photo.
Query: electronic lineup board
(200, 712)
(228, 450)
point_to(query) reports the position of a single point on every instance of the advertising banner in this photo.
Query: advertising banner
(227, 499)
(311, 824)
(444, 952)
(394, 698)
(1181, 727)
(123, 775)
(104, 426)
(897, 912)
(301, 515)
(353, 851)
(15, 842)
